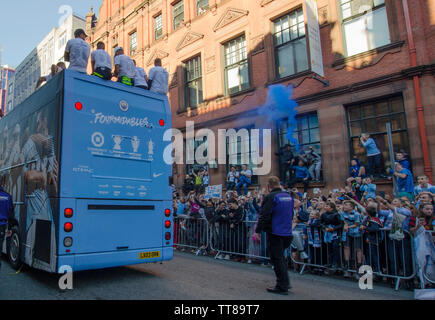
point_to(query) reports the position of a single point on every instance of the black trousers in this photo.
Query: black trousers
(284, 167)
(103, 73)
(333, 252)
(142, 87)
(2, 236)
(375, 165)
(276, 246)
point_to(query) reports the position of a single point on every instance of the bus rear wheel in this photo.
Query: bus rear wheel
(14, 251)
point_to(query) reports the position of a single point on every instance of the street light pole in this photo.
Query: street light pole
(392, 160)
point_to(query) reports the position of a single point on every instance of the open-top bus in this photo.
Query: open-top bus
(83, 161)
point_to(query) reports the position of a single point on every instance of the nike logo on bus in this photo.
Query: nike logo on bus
(157, 175)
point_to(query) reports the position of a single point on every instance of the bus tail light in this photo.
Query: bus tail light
(67, 242)
(162, 122)
(168, 212)
(168, 224)
(168, 236)
(79, 106)
(68, 227)
(68, 212)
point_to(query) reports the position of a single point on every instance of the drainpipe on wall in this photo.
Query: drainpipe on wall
(419, 105)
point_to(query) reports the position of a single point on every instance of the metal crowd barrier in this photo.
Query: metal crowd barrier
(220, 237)
(190, 232)
(393, 259)
(237, 239)
(388, 258)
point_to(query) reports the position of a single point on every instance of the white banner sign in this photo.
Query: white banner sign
(213, 192)
(314, 37)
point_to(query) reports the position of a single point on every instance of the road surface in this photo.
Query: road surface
(187, 277)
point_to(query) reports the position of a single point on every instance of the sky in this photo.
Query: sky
(24, 23)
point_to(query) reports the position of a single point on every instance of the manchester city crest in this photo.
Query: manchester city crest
(123, 105)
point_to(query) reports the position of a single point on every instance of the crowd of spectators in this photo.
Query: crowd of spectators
(339, 229)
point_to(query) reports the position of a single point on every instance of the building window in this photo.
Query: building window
(133, 43)
(178, 13)
(113, 50)
(193, 82)
(158, 27)
(290, 44)
(305, 134)
(372, 118)
(62, 40)
(196, 167)
(236, 66)
(239, 152)
(201, 7)
(365, 25)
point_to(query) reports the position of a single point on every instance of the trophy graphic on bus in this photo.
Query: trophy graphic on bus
(117, 140)
(135, 143)
(150, 148)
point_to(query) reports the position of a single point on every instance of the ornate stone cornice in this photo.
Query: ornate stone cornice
(368, 58)
(188, 39)
(103, 35)
(264, 2)
(230, 15)
(157, 54)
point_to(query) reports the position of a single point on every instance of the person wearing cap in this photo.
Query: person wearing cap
(77, 52)
(140, 78)
(101, 62)
(124, 67)
(158, 78)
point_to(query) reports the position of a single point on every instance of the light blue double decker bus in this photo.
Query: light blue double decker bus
(83, 161)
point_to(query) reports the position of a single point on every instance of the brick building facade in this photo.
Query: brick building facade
(223, 55)
(6, 74)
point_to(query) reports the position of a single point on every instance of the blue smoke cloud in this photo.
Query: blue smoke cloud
(280, 104)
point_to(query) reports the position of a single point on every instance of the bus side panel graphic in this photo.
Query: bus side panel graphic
(29, 171)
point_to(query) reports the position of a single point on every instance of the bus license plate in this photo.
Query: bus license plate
(149, 255)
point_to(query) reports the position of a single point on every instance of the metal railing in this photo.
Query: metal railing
(191, 232)
(219, 237)
(238, 239)
(389, 258)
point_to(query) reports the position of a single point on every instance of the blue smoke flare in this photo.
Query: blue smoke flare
(280, 104)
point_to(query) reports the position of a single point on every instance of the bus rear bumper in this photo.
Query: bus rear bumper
(91, 261)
